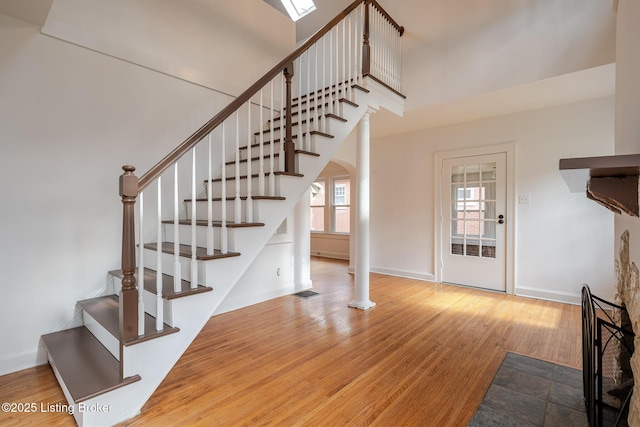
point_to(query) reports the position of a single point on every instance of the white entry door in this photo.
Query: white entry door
(473, 221)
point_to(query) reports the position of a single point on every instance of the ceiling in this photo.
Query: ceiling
(430, 21)
(427, 22)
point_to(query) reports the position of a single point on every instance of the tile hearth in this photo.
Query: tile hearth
(532, 392)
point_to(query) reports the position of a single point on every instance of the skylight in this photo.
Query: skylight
(298, 8)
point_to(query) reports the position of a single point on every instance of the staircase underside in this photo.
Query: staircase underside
(87, 368)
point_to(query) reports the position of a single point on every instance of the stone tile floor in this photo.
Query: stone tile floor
(531, 392)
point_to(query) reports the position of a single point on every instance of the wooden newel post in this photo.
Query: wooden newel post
(366, 47)
(128, 293)
(289, 148)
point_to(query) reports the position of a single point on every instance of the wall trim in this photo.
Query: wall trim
(333, 255)
(26, 359)
(425, 277)
(548, 295)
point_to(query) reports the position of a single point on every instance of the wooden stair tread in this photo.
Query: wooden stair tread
(185, 251)
(298, 123)
(267, 142)
(337, 87)
(257, 175)
(167, 285)
(267, 156)
(105, 310)
(232, 198)
(330, 115)
(326, 104)
(204, 223)
(84, 364)
(347, 101)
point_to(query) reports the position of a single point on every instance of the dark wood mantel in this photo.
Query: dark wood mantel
(611, 181)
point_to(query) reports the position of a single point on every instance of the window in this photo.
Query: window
(298, 8)
(331, 210)
(317, 202)
(341, 218)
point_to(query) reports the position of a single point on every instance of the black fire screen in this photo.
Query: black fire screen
(607, 346)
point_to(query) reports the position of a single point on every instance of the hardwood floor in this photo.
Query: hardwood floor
(425, 355)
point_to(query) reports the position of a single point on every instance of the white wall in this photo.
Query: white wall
(70, 117)
(562, 239)
(238, 40)
(628, 107)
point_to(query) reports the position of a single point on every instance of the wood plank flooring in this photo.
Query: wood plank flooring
(425, 355)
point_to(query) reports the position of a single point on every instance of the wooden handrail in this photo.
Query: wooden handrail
(208, 127)
(399, 27)
(131, 186)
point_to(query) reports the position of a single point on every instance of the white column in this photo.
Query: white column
(302, 244)
(361, 279)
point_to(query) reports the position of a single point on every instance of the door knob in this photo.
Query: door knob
(500, 219)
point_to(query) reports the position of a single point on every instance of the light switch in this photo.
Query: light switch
(524, 199)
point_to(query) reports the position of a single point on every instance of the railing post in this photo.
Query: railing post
(366, 47)
(128, 294)
(289, 148)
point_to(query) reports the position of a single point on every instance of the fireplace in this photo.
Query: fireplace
(607, 346)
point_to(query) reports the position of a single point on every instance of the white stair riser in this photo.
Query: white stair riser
(149, 299)
(110, 342)
(323, 125)
(255, 187)
(202, 210)
(301, 142)
(150, 261)
(201, 235)
(230, 170)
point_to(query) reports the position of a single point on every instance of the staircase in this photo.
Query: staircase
(215, 203)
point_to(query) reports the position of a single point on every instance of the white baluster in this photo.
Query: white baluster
(194, 248)
(223, 193)
(360, 43)
(387, 52)
(261, 181)
(159, 305)
(210, 248)
(272, 177)
(344, 57)
(177, 270)
(336, 96)
(308, 107)
(238, 200)
(141, 268)
(324, 82)
(349, 59)
(282, 128)
(332, 106)
(249, 203)
(298, 77)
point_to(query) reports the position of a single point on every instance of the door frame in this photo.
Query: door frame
(510, 250)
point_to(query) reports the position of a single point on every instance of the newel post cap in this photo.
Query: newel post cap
(128, 182)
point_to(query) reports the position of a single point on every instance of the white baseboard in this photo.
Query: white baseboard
(404, 273)
(23, 360)
(333, 255)
(545, 294)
